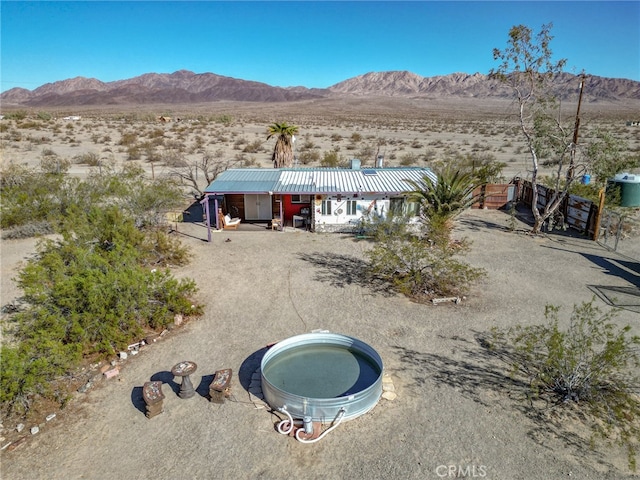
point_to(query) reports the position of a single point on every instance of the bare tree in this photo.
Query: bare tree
(204, 171)
(526, 65)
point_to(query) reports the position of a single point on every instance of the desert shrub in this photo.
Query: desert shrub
(145, 201)
(592, 366)
(482, 166)
(29, 125)
(239, 142)
(176, 145)
(366, 152)
(156, 133)
(36, 140)
(253, 147)
(308, 144)
(160, 248)
(128, 138)
(14, 135)
(356, 137)
(17, 115)
(28, 230)
(330, 159)
(85, 295)
(134, 152)
(250, 161)
(224, 119)
(198, 143)
(590, 192)
(309, 156)
(89, 158)
(45, 116)
(408, 159)
(173, 158)
(32, 195)
(413, 266)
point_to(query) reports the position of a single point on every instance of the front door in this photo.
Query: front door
(257, 207)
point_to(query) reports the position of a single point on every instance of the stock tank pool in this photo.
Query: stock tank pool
(319, 374)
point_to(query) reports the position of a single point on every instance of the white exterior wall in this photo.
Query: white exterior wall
(338, 220)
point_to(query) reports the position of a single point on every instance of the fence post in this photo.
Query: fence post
(596, 228)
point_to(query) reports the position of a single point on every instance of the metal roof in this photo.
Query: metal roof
(319, 180)
(244, 180)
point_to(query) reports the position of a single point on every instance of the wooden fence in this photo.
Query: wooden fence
(495, 195)
(579, 213)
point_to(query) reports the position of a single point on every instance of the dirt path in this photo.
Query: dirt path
(453, 408)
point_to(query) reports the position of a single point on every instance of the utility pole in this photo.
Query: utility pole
(574, 142)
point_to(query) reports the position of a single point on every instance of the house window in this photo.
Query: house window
(395, 206)
(351, 207)
(412, 208)
(300, 198)
(326, 207)
(404, 206)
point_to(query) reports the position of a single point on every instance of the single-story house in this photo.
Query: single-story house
(322, 199)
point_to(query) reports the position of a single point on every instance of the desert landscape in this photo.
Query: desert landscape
(457, 412)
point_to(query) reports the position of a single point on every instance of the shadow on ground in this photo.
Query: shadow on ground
(514, 224)
(165, 377)
(627, 297)
(477, 224)
(137, 400)
(249, 367)
(343, 270)
(480, 371)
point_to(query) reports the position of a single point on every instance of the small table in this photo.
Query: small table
(184, 369)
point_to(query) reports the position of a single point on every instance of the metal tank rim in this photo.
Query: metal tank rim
(323, 409)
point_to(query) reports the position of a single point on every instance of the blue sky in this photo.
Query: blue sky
(313, 44)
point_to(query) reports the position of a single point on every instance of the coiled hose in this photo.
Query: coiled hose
(286, 426)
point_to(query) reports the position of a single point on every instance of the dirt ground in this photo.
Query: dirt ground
(456, 414)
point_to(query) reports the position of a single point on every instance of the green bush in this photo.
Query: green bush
(46, 116)
(414, 266)
(592, 365)
(99, 287)
(224, 119)
(89, 294)
(30, 195)
(17, 115)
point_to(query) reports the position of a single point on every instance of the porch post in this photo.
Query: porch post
(216, 207)
(207, 219)
(281, 213)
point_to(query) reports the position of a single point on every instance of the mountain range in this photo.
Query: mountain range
(186, 87)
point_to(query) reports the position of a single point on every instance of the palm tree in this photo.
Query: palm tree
(443, 200)
(283, 151)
